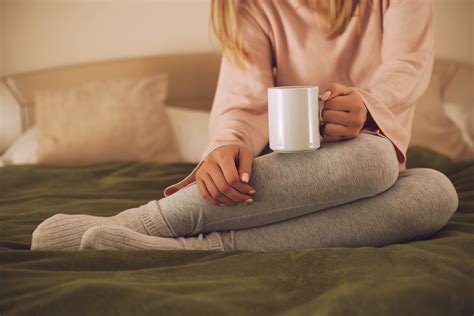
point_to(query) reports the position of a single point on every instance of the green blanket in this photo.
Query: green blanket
(433, 277)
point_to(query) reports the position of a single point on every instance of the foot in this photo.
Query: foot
(121, 238)
(64, 232)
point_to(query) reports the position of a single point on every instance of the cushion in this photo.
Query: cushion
(23, 151)
(191, 131)
(459, 95)
(434, 129)
(10, 118)
(462, 117)
(107, 120)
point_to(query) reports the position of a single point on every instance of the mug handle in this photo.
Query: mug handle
(321, 122)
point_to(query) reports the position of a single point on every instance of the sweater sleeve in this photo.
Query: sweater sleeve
(239, 111)
(405, 69)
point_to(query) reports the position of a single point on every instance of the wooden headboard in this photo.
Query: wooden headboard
(192, 79)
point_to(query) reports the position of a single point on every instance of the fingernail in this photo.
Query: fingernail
(251, 192)
(222, 204)
(326, 95)
(245, 177)
(248, 201)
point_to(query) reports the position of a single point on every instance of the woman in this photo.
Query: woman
(373, 60)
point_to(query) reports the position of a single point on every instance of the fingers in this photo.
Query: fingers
(205, 192)
(341, 103)
(214, 192)
(347, 110)
(245, 164)
(231, 175)
(219, 177)
(335, 90)
(339, 117)
(325, 95)
(321, 105)
(332, 138)
(335, 132)
(344, 113)
(225, 190)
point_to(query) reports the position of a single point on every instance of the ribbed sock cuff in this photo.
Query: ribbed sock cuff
(215, 241)
(153, 220)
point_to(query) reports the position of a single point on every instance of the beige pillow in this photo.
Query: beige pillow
(106, 120)
(432, 128)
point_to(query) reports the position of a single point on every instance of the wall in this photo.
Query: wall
(45, 33)
(2, 35)
(455, 30)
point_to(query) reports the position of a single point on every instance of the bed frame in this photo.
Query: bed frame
(192, 79)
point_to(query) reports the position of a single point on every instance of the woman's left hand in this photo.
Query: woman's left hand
(344, 113)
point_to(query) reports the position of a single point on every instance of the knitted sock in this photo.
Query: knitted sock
(121, 238)
(64, 232)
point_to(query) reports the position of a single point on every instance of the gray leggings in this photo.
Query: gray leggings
(346, 194)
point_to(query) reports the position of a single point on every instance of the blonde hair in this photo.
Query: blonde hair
(337, 14)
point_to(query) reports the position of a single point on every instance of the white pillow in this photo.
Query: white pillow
(10, 118)
(23, 151)
(463, 118)
(459, 96)
(191, 131)
(190, 127)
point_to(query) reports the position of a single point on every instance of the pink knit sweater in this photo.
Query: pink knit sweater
(385, 55)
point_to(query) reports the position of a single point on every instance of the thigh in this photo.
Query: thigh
(362, 166)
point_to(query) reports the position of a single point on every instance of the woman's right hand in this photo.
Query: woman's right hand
(223, 176)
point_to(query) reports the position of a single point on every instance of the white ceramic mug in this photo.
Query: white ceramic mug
(293, 117)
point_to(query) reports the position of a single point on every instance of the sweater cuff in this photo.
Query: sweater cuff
(378, 111)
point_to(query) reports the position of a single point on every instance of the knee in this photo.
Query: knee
(430, 200)
(441, 194)
(378, 164)
(422, 202)
(363, 166)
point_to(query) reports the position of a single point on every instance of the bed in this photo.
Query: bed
(430, 277)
